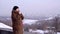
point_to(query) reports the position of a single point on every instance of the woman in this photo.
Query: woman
(17, 21)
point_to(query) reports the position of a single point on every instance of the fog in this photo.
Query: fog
(31, 8)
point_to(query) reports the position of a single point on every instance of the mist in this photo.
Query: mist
(31, 8)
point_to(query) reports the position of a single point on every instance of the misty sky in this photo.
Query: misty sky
(31, 8)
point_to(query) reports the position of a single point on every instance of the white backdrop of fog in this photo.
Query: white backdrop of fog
(31, 8)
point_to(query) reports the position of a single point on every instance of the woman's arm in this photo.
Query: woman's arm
(22, 16)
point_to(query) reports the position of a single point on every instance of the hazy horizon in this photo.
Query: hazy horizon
(31, 8)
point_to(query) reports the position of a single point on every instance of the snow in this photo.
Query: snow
(30, 30)
(49, 18)
(25, 21)
(29, 21)
(8, 18)
(36, 31)
(58, 32)
(4, 26)
(40, 31)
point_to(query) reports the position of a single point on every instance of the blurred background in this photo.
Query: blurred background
(41, 16)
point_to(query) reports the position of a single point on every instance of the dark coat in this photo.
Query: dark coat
(17, 23)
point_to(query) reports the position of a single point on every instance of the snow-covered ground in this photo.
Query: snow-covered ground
(42, 31)
(25, 21)
(36, 31)
(49, 18)
(58, 32)
(32, 31)
(4, 26)
(29, 21)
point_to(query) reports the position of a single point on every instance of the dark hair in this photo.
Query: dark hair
(15, 7)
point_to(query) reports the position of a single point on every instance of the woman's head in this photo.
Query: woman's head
(16, 8)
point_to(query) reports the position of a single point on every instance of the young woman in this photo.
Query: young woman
(17, 23)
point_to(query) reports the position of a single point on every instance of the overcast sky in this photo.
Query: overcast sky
(31, 8)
